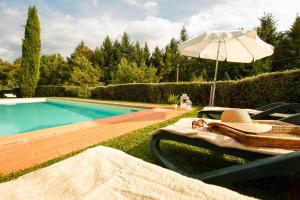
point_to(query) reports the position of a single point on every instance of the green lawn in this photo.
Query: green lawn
(192, 159)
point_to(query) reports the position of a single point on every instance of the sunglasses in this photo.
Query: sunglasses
(199, 124)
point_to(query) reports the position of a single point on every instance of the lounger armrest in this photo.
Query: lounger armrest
(285, 108)
(293, 119)
(271, 105)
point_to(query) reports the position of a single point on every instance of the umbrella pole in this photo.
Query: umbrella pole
(212, 99)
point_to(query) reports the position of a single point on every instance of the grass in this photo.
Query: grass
(193, 159)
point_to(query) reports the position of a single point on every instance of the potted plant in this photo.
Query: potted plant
(174, 100)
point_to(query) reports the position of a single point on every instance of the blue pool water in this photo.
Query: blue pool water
(26, 117)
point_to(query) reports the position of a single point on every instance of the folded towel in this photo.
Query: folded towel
(106, 173)
(184, 127)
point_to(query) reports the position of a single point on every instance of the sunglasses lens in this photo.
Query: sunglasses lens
(194, 124)
(201, 123)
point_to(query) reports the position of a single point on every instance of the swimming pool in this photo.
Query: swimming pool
(25, 117)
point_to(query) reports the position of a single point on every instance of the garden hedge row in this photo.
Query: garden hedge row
(57, 91)
(248, 92)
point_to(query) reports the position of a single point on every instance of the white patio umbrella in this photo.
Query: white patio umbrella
(243, 46)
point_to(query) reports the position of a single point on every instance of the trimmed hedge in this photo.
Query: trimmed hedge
(57, 91)
(260, 90)
(154, 93)
(249, 92)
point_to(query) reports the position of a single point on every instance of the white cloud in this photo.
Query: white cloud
(155, 31)
(11, 31)
(150, 6)
(5, 53)
(94, 2)
(229, 15)
(62, 31)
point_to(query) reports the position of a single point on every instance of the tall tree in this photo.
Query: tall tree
(267, 31)
(294, 44)
(183, 35)
(129, 72)
(99, 60)
(127, 47)
(172, 61)
(53, 70)
(5, 69)
(190, 69)
(146, 54)
(126, 73)
(117, 53)
(9, 74)
(287, 53)
(108, 62)
(84, 74)
(138, 54)
(31, 48)
(281, 53)
(157, 60)
(83, 50)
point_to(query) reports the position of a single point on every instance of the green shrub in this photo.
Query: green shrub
(173, 99)
(142, 92)
(130, 72)
(84, 74)
(57, 91)
(249, 92)
(260, 90)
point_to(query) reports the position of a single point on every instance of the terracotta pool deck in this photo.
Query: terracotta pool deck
(25, 150)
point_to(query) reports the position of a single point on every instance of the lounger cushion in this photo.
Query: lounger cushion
(184, 127)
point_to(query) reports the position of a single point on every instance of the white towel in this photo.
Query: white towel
(106, 173)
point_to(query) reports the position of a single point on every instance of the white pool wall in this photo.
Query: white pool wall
(13, 101)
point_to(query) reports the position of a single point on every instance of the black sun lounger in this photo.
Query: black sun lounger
(275, 111)
(260, 165)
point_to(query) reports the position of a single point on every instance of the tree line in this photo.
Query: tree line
(124, 61)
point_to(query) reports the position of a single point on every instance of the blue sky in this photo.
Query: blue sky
(65, 22)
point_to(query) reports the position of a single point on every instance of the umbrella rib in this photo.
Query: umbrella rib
(246, 48)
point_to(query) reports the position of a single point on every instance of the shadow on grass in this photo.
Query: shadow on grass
(197, 160)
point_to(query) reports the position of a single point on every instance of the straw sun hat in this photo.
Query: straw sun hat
(240, 120)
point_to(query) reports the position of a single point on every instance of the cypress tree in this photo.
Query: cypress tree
(31, 49)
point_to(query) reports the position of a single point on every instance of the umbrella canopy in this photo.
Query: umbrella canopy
(243, 46)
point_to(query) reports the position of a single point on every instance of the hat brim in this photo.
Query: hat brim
(244, 127)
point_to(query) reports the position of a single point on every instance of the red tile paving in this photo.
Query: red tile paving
(25, 150)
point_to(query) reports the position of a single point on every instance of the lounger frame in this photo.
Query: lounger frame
(277, 107)
(260, 165)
